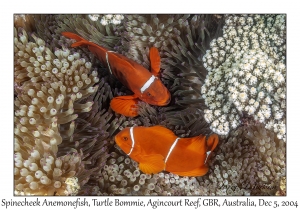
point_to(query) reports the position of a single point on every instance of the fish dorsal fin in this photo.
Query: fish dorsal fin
(122, 60)
(154, 61)
(125, 105)
(162, 131)
(112, 56)
(151, 163)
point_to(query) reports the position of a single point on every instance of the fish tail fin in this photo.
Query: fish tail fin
(212, 142)
(72, 36)
(79, 39)
(99, 51)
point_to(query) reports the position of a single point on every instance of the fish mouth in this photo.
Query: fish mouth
(115, 140)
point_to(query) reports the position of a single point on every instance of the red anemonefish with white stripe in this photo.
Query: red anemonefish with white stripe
(145, 85)
(158, 148)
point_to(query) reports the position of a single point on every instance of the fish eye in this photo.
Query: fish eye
(149, 94)
(125, 138)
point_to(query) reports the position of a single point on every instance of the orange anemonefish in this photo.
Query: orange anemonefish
(145, 85)
(158, 148)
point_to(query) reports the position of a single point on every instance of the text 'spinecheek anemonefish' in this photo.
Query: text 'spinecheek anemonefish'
(157, 148)
(145, 85)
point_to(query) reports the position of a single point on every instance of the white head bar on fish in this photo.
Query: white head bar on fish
(148, 83)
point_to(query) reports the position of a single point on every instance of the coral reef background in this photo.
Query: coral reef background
(226, 74)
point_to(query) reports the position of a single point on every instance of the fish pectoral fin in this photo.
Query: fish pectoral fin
(195, 172)
(125, 105)
(152, 164)
(154, 61)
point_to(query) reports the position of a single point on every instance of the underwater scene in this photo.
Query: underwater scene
(146, 104)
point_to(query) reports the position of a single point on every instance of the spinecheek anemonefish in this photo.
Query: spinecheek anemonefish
(145, 85)
(158, 148)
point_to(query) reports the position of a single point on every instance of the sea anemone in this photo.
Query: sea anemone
(50, 88)
(247, 74)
